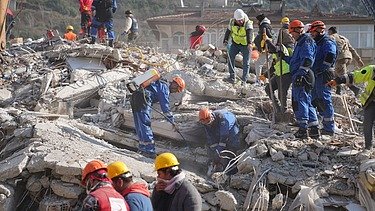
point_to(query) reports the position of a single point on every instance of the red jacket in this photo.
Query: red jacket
(85, 5)
(109, 199)
(195, 40)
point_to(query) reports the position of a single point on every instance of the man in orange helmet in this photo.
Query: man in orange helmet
(222, 133)
(141, 102)
(300, 64)
(100, 193)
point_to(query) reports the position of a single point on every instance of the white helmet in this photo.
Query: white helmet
(239, 14)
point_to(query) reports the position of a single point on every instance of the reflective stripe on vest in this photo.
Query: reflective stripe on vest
(238, 33)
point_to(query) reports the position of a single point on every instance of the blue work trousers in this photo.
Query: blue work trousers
(234, 49)
(108, 25)
(142, 123)
(304, 112)
(322, 100)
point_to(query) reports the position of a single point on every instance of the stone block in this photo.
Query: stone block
(7, 198)
(66, 190)
(69, 167)
(13, 166)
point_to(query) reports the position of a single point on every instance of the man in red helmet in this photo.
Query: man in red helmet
(101, 196)
(300, 64)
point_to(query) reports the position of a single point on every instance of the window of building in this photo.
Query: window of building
(214, 36)
(178, 39)
(360, 36)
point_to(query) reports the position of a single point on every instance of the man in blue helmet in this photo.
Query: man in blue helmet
(303, 80)
(323, 68)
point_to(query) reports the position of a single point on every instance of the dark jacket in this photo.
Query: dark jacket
(138, 197)
(184, 198)
(264, 25)
(104, 9)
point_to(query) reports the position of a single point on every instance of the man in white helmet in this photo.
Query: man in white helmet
(240, 29)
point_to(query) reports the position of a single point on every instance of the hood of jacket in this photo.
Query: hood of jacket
(137, 188)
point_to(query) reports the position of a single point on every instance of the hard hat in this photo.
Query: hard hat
(116, 169)
(128, 12)
(295, 24)
(180, 82)
(69, 28)
(91, 167)
(285, 20)
(165, 160)
(317, 24)
(239, 14)
(205, 115)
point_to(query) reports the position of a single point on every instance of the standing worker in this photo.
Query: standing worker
(173, 192)
(70, 35)
(367, 98)
(136, 194)
(86, 16)
(346, 53)
(300, 64)
(240, 29)
(100, 193)
(196, 37)
(131, 26)
(325, 58)
(141, 102)
(222, 133)
(104, 10)
(284, 37)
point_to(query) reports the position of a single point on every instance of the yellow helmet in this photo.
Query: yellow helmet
(165, 160)
(116, 169)
(285, 20)
(70, 27)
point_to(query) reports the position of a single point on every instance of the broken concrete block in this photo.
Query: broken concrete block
(278, 201)
(218, 88)
(37, 163)
(66, 190)
(69, 167)
(226, 199)
(303, 156)
(204, 60)
(240, 181)
(210, 198)
(5, 97)
(33, 184)
(7, 197)
(276, 178)
(53, 202)
(248, 165)
(204, 187)
(13, 166)
(70, 179)
(278, 156)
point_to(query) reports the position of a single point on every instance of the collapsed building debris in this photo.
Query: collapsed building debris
(69, 104)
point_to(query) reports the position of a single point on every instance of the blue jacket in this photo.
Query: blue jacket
(138, 197)
(222, 133)
(158, 91)
(326, 55)
(305, 48)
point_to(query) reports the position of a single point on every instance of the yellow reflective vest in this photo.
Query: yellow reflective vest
(364, 75)
(238, 33)
(282, 65)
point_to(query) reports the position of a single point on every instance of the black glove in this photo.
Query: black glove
(114, 9)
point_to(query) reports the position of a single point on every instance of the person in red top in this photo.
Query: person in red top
(196, 37)
(86, 16)
(70, 35)
(101, 196)
(136, 194)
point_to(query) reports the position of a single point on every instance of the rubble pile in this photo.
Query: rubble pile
(67, 105)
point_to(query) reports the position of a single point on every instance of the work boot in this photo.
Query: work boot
(328, 133)
(314, 132)
(230, 80)
(355, 90)
(93, 39)
(301, 133)
(110, 43)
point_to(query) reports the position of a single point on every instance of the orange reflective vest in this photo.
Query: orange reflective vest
(70, 36)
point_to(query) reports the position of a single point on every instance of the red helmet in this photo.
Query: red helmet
(317, 24)
(295, 24)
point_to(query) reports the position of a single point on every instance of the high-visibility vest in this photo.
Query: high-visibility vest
(282, 65)
(366, 74)
(70, 36)
(238, 33)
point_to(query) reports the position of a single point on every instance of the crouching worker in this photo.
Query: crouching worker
(172, 190)
(100, 193)
(367, 98)
(136, 194)
(141, 102)
(222, 133)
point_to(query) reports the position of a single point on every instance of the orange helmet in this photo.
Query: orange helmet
(317, 24)
(180, 82)
(91, 167)
(295, 24)
(205, 115)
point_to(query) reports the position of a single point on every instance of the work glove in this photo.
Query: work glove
(114, 9)
(332, 83)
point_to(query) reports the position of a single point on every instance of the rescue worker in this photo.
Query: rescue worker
(100, 193)
(222, 133)
(240, 29)
(172, 190)
(69, 34)
(136, 194)
(367, 98)
(141, 102)
(300, 64)
(196, 37)
(265, 30)
(346, 53)
(284, 37)
(131, 26)
(86, 16)
(326, 54)
(104, 10)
